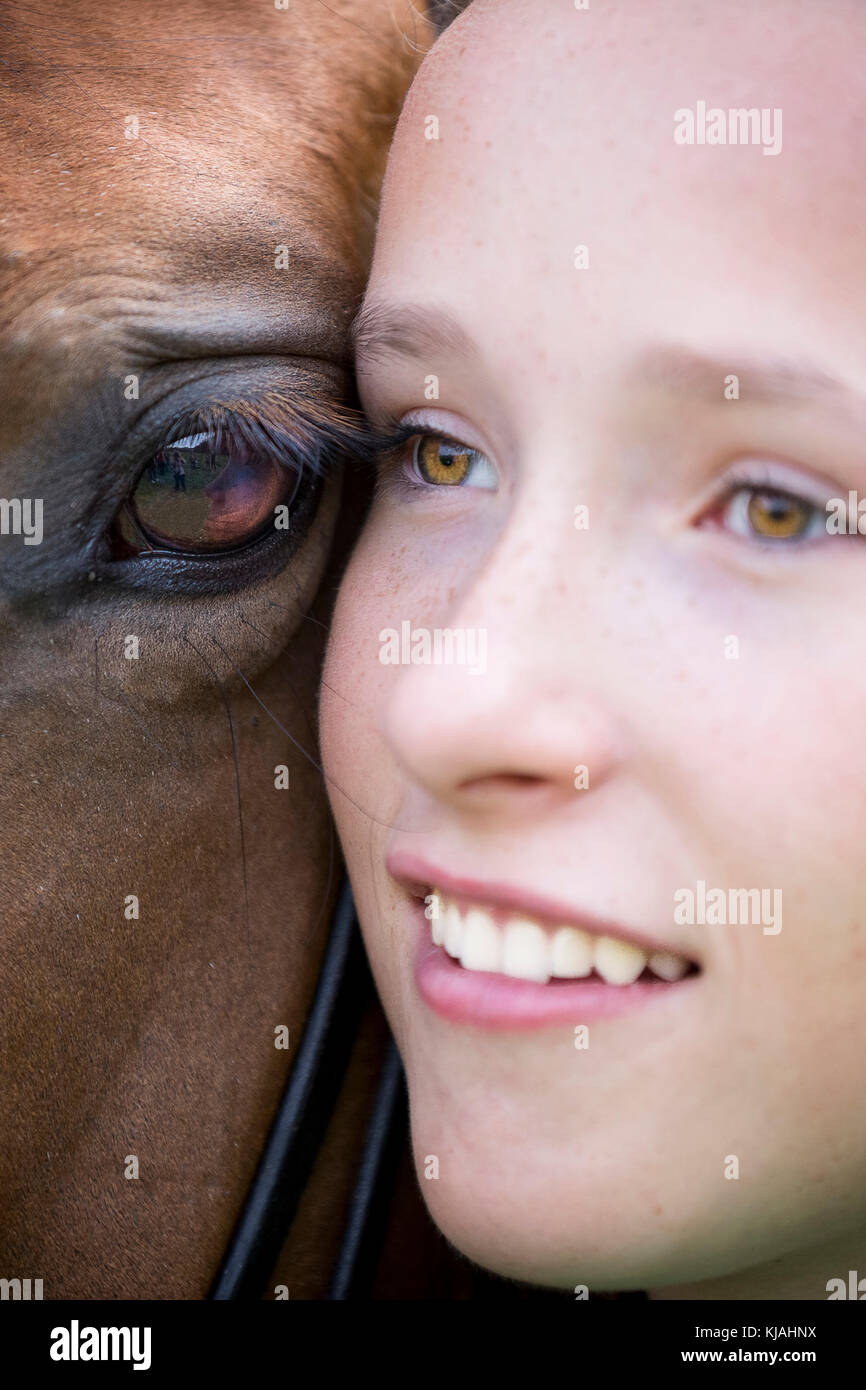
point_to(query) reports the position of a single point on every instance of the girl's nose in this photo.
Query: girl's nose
(529, 721)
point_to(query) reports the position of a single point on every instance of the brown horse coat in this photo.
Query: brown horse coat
(156, 157)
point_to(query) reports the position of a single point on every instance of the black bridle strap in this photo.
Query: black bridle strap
(368, 1213)
(307, 1103)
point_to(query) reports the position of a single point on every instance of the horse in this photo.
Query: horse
(188, 219)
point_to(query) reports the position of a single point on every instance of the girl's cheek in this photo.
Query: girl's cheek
(354, 684)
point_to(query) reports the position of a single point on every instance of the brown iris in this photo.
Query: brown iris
(441, 461)
(198, 496)
(777, 516)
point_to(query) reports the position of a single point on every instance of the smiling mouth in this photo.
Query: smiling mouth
(490, 941)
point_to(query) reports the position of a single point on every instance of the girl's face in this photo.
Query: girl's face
(652, 356)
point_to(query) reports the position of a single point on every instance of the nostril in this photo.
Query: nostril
(504, 782)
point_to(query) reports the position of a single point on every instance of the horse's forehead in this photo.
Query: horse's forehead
(159, 161)
(194, 131)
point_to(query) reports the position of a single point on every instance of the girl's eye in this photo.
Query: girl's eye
(771, 514)
(442, 462)
(191, 498)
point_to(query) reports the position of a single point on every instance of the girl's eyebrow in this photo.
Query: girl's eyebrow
(421, 331)
(384, 329)
(762, 380)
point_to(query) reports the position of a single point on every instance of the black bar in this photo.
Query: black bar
(344, 986)
(371, 1199)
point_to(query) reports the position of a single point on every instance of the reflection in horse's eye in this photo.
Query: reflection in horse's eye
(193, 498)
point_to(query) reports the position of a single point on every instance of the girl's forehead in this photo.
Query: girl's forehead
(545, 109)
(605, 168)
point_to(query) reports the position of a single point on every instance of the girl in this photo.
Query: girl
(610, 875)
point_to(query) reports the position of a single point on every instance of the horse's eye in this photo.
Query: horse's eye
(196, 496)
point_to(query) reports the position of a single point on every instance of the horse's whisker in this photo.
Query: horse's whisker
(386, 825)
(233, 733)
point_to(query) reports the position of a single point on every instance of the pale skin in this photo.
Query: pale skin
(604, 387)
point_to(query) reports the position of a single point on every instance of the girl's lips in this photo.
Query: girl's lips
(488, 997)
(498, 1002)
(419, 878)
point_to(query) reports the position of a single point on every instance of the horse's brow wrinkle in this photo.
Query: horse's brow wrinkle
(41, 316)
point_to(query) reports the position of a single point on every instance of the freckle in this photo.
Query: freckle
(658, 1211)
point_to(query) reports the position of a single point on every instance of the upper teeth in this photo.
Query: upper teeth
(526, 950)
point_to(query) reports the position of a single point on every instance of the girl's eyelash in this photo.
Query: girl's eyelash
(789, 493)
(758, 478)
(391, 440)
(386, 444)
